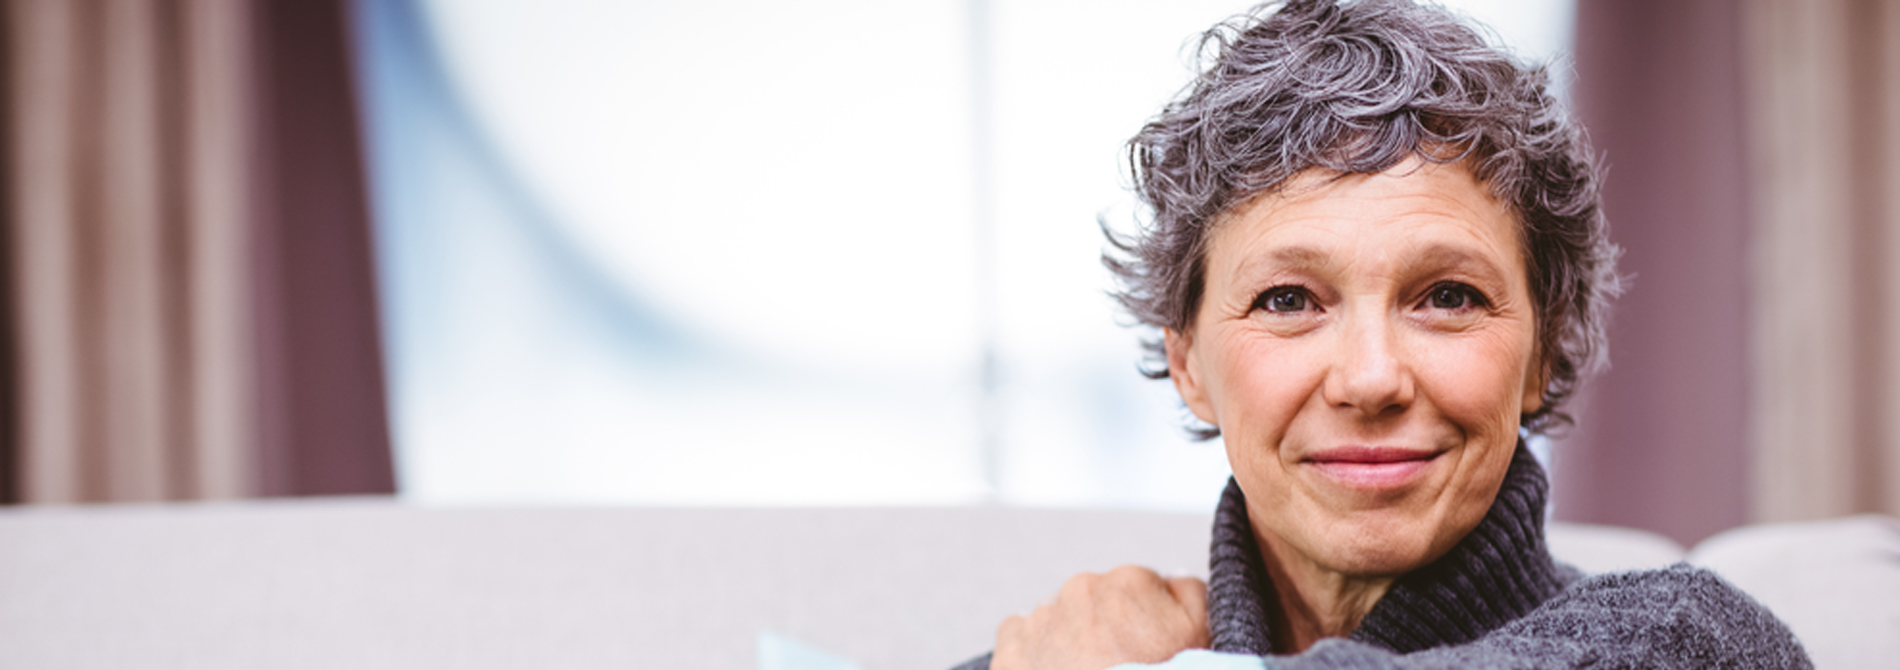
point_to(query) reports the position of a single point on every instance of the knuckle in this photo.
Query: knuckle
(1189, 585)
(1133, 574)
(1083, 583)
(1041, 613)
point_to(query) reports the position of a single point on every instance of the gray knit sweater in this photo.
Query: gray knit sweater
(1497, 600)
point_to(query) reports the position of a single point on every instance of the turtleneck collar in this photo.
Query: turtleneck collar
(1498, 573)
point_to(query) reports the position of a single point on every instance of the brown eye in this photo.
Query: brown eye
(1453, 297)
(1284, 299)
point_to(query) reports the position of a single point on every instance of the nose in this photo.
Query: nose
(1368, 375)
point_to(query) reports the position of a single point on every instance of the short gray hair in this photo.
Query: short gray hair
(1358, 87)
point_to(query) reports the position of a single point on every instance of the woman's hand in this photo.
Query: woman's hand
(1130, 615)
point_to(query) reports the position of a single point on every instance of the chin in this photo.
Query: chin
(1379, 547)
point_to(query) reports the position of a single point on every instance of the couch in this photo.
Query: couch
(375, 583)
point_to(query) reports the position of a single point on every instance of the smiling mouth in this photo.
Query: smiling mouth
(1371, 467)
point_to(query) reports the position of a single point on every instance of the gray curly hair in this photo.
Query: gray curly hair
(1357, 87)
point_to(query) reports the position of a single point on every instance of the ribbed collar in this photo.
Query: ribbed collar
(1500, 572)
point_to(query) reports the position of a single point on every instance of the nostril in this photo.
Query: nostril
(1375, 389)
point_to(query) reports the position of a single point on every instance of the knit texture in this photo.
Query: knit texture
(1497, 600)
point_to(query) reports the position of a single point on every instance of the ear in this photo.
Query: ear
(1184, 370)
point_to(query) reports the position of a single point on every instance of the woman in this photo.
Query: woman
(1377, 260)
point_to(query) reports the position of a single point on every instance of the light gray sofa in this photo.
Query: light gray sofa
(363, 583)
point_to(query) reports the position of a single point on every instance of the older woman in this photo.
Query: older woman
(1377, 260)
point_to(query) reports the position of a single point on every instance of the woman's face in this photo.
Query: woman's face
(1366, 347)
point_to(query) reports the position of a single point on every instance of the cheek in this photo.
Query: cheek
(1478, 380)
(1264, 383)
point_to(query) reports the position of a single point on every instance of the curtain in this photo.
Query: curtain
(1752, 180)
(1661, 440)
(1824, 91)
(191, 307)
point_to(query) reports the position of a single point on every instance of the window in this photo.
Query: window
(746, 252)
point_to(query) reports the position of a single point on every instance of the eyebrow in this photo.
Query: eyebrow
(1299, 257)
(1436, 255)
(1440, 255)
(1283, 259)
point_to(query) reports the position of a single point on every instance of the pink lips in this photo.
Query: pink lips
(1371, 467)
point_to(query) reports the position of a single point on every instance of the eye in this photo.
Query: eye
(1454, 296)
(1284, 300)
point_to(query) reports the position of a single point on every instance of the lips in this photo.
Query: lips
(1371, 467)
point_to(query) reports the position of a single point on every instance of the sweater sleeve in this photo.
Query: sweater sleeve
(978, 663)
(1678, 617)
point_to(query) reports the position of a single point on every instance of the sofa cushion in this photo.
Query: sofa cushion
(1836, 583)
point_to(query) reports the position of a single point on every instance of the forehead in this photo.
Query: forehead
(1414, 211)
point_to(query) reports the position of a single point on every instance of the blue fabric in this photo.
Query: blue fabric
(1201, 659)
(778, 652)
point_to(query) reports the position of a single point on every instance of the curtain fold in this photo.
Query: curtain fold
(1824, 92)
(162, 346)
(321, 361)
(1661, 440)
(221, 140)
(101, 230)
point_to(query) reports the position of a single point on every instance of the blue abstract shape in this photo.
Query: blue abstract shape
(778, 652)
(429, 157)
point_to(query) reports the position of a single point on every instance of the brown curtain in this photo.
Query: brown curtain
(1824, 91)
(1661, 441)
(1752, 182)
(191, 305)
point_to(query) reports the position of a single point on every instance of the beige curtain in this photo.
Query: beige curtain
(1823, 93)
(129, 138)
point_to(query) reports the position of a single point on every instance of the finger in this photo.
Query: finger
(1051, 600)
(1137, 581)
(1134, 575)
(1190, 592)
(1084, 591)
(1010, 638)
(1010, 629)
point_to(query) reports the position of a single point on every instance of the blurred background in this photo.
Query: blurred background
(840, 252)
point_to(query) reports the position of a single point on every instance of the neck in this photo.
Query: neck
(1314, 603)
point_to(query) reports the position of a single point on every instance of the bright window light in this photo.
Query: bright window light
(767, 253)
